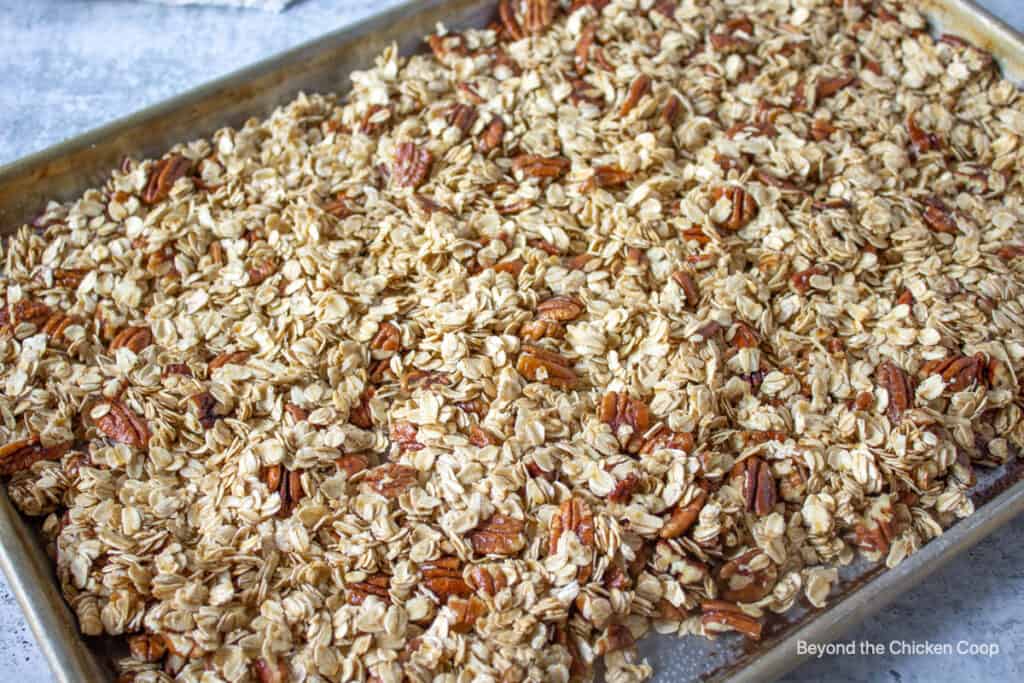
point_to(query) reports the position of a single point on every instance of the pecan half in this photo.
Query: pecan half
(573, 515)
(388, 338)
(443, 577)
(748, 578)
(56, 324)
(753, 477)
(499, 534)
(959, 372)
(288, 485)
(539, 15)
(744, 207)
(509, 21)
(462, 116)
(536, 166)
(539, 365)
(134, 338)
(208, 411)
(228, 358)
(618, 409)
(377, 585)
(491, 136)
(149, 647)
(689, 287)
(33, 312)
(352, 464)
(121, 424)
(20, 455)
(392, 480)
(162, 177)
(938, 217)
(640, 86)
(684, 515)
(720, 616)
(489, 582)
(606, 176)
(560, 308)
(466, 611)
(895, 381)
(412, 165)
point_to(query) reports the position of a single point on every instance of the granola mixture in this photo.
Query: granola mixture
(608, 318)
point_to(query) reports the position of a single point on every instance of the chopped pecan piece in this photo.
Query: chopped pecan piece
(540, 365)
(753, 477)
(513, 267)
(69, 278)
(664, 438)
(640, 86)
(467, 611)
(207, 409)
(582, 54)
(748, 578)
(360, 414)
(298, 413)
(443, 577)
(462, 116)
(122, 425)
(624, 489)
(392, 480)
(895, 381)
(508, 20)
(492, 135)
(377, 585)
(719, 616)
(489, 582)
(1010, 252)
(33, 312)
(744, 336)
(536, 166)
(288, 485)
(921, 141)
(423, 379)
(375, 119)
(684, 515)
(176, 369)
(20, 455)
(149, 647)
(938, 218)
(134, 338)
(259, 272)
(498, 535)
(616, 637)
(162, 177)
(388, 338)
(618, 409)
(352, 464)
(802, 280)
(606, 176)
(822, 129)
(744, 208)
(689, 287)
(228, 358)
(573, 515)
(443, 46)
(338, 207)
(268, 673)
(412, 165)
(480, 437)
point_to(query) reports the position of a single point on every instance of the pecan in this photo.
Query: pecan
(663, 438)
(579, 261)
(489, 582)
(535, 330)
(498, 535)
(480, 437)
(624, 489)
(822, 129)
(228, 358)
(352, 464)
(69, 278)
(509, 21)
(135, 338)
(616, 637)
(958, 372)
(423, 379)
(288, 485)
(268, 673)
(56, 324)
(719, 615)
(298, 414)
(122, 425)
(618, 409)
(360, 414)
(539, 365)
(938, 218)
(670, 111)
(689, 287)
(753, 477)
(1010, 252)
(466, 611)
(921, 141)
(539, 15)
(864, 400)
(392, 480)
(462, 116)
(388, 338)
(747, 578)
(573, 515)
(802, 280)
(536, 166)
(207, 409)
(775, 181)
(826, 87)
(338, 207)
(640, 86)
(373, 121)
(377, 585)
(442, 46)
(149, 647)
(728, 43)
(582, 55)
(684, 516)
(32, 312)
(744, 208)
(513, 267)
(560, 308)
(443, 577)
(585, 93)
(20, 455)
(176, 369)
(744, 336)
(895, 381)
(216, 252)
(162, 177)
(259, 272)
(492, 135)
(412, 165)
(606, 176)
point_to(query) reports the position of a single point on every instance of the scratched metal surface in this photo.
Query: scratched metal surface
(65, 170)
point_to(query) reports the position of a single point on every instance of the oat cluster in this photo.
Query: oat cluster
(606, 318)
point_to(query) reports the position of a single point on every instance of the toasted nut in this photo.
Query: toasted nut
(133, 338)
(537, 364)
(162, 177)
(376, 585)
(498, 535)
(124, 426)
(684, 516)
(391, 480)
(20, 455)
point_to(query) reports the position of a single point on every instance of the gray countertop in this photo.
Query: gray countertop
(71, 65)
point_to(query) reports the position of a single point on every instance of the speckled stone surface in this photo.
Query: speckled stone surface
(68, 66)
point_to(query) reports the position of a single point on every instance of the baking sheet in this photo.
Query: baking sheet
(66, 170)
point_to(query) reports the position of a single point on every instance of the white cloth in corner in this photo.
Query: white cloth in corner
(271, 5)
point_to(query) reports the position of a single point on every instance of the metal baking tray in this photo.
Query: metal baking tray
(66, 170)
